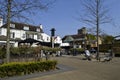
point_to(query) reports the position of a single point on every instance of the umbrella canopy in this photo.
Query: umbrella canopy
(48, 44)
(31, 41)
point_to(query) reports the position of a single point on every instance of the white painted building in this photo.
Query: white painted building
(58, 39)
(21, 31)
(45, 37)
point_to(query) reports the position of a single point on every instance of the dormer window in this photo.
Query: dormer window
(26, 28)
(12, 25)
(38, 30)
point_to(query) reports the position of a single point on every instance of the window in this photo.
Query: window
(38, 30)
(29, 35)
(39, 37)
(23, 36)
(12, 35)
(26, 28)
(12, 25)
(47, 38)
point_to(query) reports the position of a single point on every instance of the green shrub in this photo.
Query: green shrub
(116, 44)
(17, 68)
(23, 49)
(49, 49)
(104, 47)
(2, 52)
(116, 50)
(79, 50)
(14, 50)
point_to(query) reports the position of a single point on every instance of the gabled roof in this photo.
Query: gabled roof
(68, 39)
(75, 37)
(20, 26)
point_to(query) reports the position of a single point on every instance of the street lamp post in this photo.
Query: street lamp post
(52, 37)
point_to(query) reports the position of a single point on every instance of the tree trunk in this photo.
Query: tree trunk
(8, 32)
(97, 25)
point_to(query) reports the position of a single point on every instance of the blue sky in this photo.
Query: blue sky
(62, 16)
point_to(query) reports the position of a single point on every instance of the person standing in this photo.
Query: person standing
(87, 54)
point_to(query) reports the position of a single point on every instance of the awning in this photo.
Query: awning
(48, 44)
(28, 40)
(31, 41)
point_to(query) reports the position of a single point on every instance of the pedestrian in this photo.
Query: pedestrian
(87, 54)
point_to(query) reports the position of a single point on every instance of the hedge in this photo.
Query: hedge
(105, 47)
(2, 52)
(79, 50)
(116, 50)
(22, 68)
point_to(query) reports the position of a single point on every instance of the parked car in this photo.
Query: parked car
(92, 50)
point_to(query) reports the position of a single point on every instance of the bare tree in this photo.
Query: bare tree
(95, 15)
(11, 10)
(92, 31)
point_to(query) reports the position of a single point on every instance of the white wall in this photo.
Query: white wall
(46, 38)
(58, 39)
(18, 33)
(3, 31)
(64, 44)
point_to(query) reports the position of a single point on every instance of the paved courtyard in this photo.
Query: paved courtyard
(73, 68)
(84, 70)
